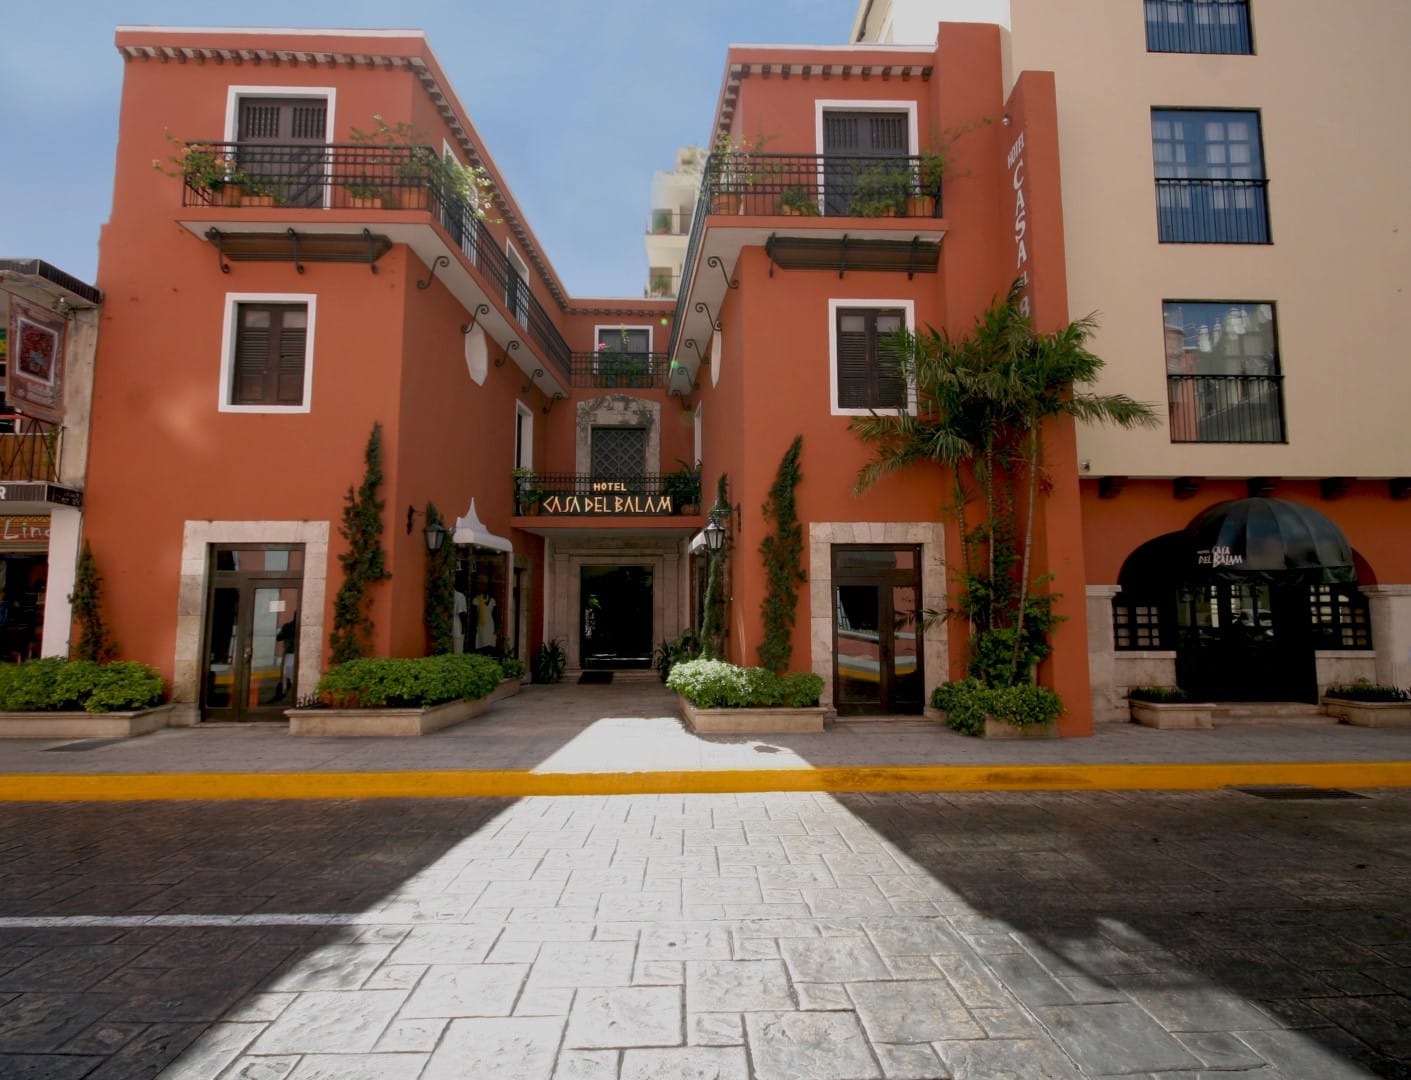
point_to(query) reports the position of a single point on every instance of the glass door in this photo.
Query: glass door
(877, 666)
(252, 635)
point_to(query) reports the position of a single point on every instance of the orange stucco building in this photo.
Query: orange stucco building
(301, 265)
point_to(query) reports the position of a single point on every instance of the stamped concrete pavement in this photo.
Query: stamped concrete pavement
(730, 936)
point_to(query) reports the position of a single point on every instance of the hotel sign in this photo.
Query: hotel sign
(36, 492)
(606, 499)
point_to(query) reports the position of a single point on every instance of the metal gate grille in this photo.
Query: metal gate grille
(619, 451)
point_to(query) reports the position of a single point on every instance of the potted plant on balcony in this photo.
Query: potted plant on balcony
(661, 222)
(796, 202)
(660, 285)
(738, 165)
(684, 488)
(930, 173)
(364, 194)
(881, 189)
(527, 493)
(207, 169)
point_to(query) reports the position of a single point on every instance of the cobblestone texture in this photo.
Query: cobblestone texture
(731, 936)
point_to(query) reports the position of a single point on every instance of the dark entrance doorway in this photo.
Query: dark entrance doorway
(250, 668)
(876, 644)
(615, 628)
(1246, 641)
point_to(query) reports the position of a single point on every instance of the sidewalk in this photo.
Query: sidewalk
(572, 739)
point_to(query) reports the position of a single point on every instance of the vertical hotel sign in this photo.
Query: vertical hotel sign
(1018, 178)
(35, 367)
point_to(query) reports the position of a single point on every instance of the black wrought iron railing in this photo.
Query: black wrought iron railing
(1198, 26)
(29, 448)
(608, 494)
(1226, 408)
(669, 222)
(833, 185)
(361, 177)
(1199, 211)
(606, 369)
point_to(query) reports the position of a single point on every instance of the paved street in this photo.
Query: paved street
(753, 935)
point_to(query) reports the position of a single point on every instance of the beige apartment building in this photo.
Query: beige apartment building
(1233, 182)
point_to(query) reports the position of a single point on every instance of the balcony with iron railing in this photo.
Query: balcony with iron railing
(805, 187)
(669, 223)
(606, 369)
(29, 449)
(661, 285)
(347, 177)
(1226, 408)
(1193, 210)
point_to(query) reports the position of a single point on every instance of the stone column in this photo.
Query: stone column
(1390, 610)
(1102, 660)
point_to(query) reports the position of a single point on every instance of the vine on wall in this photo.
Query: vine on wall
(782, 551)
(94, 640)
(440, 590)
(365, 562)
(713, 622)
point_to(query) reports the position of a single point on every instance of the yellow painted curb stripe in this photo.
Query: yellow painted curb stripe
(42, 787)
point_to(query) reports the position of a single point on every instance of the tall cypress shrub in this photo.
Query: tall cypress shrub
(782, 551)
(94, 640)
(440, 590)
(365, 562)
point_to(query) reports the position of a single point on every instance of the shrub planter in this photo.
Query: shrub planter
(83, 725)
(1170, 716)
(1369, 713)
(760, 721)
(395, 722)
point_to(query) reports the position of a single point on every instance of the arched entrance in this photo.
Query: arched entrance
(1244, 595)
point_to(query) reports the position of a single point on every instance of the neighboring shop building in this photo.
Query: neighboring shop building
(1231, 189)
(48, 331)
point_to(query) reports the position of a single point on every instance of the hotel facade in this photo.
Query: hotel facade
(314, 274)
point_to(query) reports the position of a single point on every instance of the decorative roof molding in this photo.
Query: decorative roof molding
(862, 70)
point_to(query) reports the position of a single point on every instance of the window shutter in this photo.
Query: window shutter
(886, 133)
(252, 340)
(307, 120)
(293, 337)
(840, 133)
(852, 360)
(891, 386)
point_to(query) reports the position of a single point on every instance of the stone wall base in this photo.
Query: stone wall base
(82, 725)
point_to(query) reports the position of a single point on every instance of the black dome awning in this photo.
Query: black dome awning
(1235, 540)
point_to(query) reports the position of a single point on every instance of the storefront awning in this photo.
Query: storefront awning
(1234, 540)
(471, 530)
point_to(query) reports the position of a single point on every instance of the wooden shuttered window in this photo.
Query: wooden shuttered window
(270, 347)
(868, 361)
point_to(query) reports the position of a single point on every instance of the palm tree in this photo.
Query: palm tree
(981, 402)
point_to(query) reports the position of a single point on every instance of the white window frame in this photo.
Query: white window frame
(524, 442)
(717, 357)
(598, 329)
(908, 308)
(328, 93)
(913, 139)
(697, 439)
(227, 351)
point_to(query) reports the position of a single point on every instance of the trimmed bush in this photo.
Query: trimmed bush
(513, 667)
(390, 683)
(966, 704)
(715, 684)
(1366, 690)
(1159, 695)
(58, 685)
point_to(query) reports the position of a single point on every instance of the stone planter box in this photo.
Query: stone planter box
(395, 722)
(1003, 729)
(82, 725)
(1369, 713)
(1169, 716)
(752, 721)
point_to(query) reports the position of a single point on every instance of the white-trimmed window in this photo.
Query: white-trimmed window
(698, 457)
(267, 352)
(865, 363)
(283, 134)
(523, 436)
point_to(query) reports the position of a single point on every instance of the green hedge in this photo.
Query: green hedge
(715, 684)
(966, 704)
(377, 683)
(513, 667)
(1366, 690)
(1159, 695)
(58, 685)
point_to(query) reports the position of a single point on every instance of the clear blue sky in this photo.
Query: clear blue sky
(578, 101)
